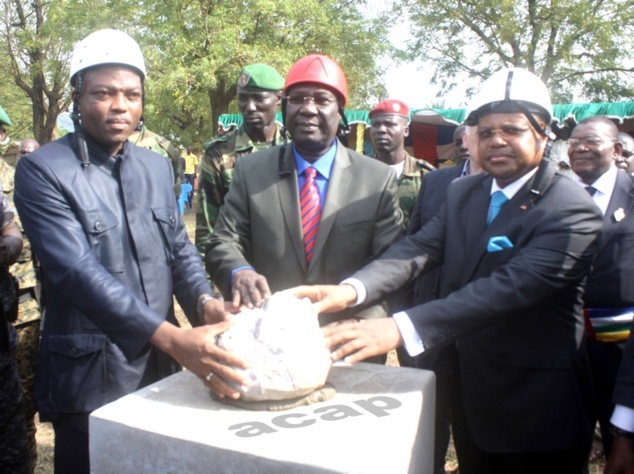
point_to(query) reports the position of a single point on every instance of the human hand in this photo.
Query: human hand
(621, 460)
(354, 341)
(216, 311)
(249, 289)
(326, 298)
(196, 350)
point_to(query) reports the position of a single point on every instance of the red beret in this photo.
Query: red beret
(390, 107)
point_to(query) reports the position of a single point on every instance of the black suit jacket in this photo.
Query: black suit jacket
(611, 282)
(516, 313)
(431, 198)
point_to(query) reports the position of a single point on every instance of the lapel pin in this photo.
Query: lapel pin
(619, 214)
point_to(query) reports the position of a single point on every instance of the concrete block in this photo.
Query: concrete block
(380, 421)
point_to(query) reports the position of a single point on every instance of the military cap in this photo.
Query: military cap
(260, 76)
(4, 118)
(390, 107)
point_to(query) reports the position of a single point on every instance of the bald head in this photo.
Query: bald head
(626, 160)
(27, 146)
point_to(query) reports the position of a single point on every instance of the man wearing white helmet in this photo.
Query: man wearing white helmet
(102, 218)
(510, 293)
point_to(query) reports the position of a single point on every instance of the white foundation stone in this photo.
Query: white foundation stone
(381, 420)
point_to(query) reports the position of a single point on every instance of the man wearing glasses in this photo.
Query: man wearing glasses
(593, 149)
(515, 245)
(310, 211)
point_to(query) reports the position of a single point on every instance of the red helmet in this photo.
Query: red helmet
(318, 69)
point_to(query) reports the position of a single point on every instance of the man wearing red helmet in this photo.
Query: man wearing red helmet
(390, 119)
(261, 243)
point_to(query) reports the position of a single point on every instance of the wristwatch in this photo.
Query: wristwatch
(621, 433)
(200, 306)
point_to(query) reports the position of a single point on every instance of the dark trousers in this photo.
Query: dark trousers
(605, 358)
(71, 444)
(443, 363)
(473, 460)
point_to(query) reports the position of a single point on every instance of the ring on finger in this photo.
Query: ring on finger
(209, 376)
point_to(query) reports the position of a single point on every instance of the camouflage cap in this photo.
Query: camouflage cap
(4, 118)
(260, 76)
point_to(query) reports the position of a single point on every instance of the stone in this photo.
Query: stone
(284, 347)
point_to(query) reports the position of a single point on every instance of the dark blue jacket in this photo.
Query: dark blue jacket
(113, 250)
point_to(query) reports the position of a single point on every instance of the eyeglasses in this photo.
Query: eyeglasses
(587, 141)
(319, 101)
(627, 153)
(506, 132)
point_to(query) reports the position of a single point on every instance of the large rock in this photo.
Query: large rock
(284, 347)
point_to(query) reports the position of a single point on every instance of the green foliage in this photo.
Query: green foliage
(196, 49)
(580, 48)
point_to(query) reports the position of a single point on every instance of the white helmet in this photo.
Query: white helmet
(107, 47)
(512, 90)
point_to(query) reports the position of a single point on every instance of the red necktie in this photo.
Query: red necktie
(311, 211)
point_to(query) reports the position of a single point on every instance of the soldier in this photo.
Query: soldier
(29, 315)
(158, 144)
(13, 442)
(259, 95)
(388, 130)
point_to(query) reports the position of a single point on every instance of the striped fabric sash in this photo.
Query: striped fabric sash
(608, 324)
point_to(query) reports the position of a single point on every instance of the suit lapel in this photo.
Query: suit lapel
(289, 202)
(478, 235)
(621, 205)
(340, 178)
(475, 226)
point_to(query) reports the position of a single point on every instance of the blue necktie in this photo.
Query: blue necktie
(498, 199)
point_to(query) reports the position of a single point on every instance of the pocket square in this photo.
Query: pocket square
(498, 243)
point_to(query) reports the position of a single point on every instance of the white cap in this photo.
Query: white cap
(511, 90)
(107, 47)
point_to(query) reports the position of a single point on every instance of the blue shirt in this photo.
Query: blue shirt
(323, 166)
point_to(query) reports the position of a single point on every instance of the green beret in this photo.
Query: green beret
(260, 76)
(4, 118)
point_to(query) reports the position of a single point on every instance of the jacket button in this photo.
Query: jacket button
(172, 219)
(98, 225)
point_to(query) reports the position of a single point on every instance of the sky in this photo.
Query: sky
(411, 82)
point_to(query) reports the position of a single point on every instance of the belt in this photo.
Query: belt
(608, 324)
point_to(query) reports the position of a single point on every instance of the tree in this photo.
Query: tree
(580, 48)
(38, 38)
(195, 50)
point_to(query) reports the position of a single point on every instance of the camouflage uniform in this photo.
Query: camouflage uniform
(162, 146)
(14, 450)
(29, 317)
(409, 184)
(216, 171)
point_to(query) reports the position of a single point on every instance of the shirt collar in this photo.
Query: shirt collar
(323, 165)
(511, 190)
(605, 183)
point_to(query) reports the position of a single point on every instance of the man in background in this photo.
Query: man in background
(593, 149)
(29, 318)
(146, 138)
(625, 161)
(388, 129)
(310, 211)
(28, 145)
(14, 449)
(259, 96)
